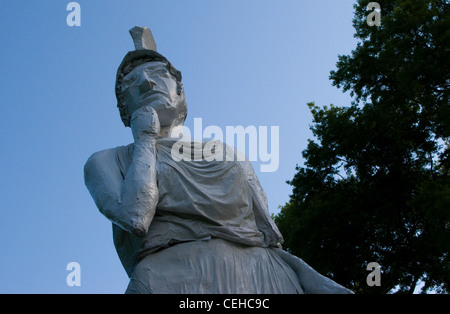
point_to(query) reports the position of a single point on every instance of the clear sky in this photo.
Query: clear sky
(252, 62)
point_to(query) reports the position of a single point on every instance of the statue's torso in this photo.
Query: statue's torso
(198, 200)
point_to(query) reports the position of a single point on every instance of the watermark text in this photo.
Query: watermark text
(374, 17)
(74, 17)
(73, 279)
(251, 140)
(374, 278)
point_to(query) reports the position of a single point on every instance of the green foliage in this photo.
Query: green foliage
(375, 186)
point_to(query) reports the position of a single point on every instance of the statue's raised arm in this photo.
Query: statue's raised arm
(128, 200)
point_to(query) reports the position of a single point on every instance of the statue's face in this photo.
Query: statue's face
(151, 84)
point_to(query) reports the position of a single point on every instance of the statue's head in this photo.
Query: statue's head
(145, 77)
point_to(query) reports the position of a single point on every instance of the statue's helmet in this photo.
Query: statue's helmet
(146, 52)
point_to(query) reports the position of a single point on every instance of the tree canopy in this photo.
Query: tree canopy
(375, 185)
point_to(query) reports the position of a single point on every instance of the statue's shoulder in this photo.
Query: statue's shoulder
(102, 156)
(108, 158)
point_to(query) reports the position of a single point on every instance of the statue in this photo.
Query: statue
(185, 226)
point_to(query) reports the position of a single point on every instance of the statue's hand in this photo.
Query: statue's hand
(145, 123)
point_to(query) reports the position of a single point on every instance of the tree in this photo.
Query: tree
(375, 186)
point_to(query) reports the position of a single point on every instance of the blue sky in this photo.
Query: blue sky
(253, 62)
